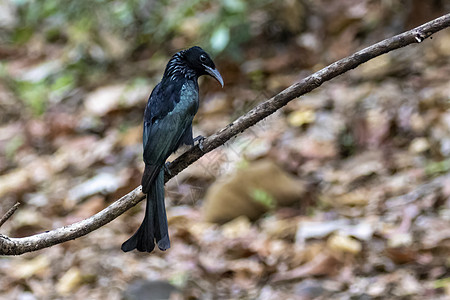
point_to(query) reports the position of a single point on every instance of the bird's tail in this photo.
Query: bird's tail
(154, 225)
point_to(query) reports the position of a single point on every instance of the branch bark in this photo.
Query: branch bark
(17, 246)
(9, 213)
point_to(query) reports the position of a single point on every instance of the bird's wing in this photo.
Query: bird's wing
(168, 115)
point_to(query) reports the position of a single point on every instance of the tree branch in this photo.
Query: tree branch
(16, 246)
(9, 213)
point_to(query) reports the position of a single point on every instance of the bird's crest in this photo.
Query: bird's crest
(177, 67)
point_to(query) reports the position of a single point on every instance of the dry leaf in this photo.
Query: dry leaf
(323, 264)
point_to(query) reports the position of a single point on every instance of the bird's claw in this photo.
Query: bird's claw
(167, 168)
(200, 140)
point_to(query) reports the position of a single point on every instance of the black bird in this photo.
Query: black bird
(168, 117)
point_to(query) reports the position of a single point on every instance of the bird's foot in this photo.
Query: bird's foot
(200, 140)
(167, 168)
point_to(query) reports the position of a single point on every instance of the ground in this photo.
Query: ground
(369, 152)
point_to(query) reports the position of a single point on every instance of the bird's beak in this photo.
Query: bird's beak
(214, 73)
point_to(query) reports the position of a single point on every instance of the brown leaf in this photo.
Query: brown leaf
(401, 255)
(322, 265)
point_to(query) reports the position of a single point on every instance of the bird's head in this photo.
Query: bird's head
(196, 60)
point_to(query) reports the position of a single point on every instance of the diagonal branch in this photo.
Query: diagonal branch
(9, 213)
(16, 246)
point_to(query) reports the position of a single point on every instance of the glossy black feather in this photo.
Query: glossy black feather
(168, 117)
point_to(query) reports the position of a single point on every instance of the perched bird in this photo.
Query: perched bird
(168, 117)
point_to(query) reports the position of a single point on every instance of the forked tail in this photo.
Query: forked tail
(154, 227)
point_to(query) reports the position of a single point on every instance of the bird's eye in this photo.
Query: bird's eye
(203, 58)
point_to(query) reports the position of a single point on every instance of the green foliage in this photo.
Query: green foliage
(218, 25)
(220, 38)
(442, 283)
(37, 94)
(439, 167)
(34, 95)
(261, 196)
(93, 35)
(12, 145)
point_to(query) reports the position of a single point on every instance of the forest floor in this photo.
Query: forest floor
(343, 194)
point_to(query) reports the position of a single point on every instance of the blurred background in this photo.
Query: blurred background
(344, 193)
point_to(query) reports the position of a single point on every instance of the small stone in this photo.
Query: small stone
(400, 240)
(343, 243)
(419, 145)
(152, 290)
(301, 117)
(309, 289)
(70, 281)
(28, 268)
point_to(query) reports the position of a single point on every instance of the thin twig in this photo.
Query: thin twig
(16, 246)
(9, 213)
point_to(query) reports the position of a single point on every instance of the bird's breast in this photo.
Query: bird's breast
(189, 98)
